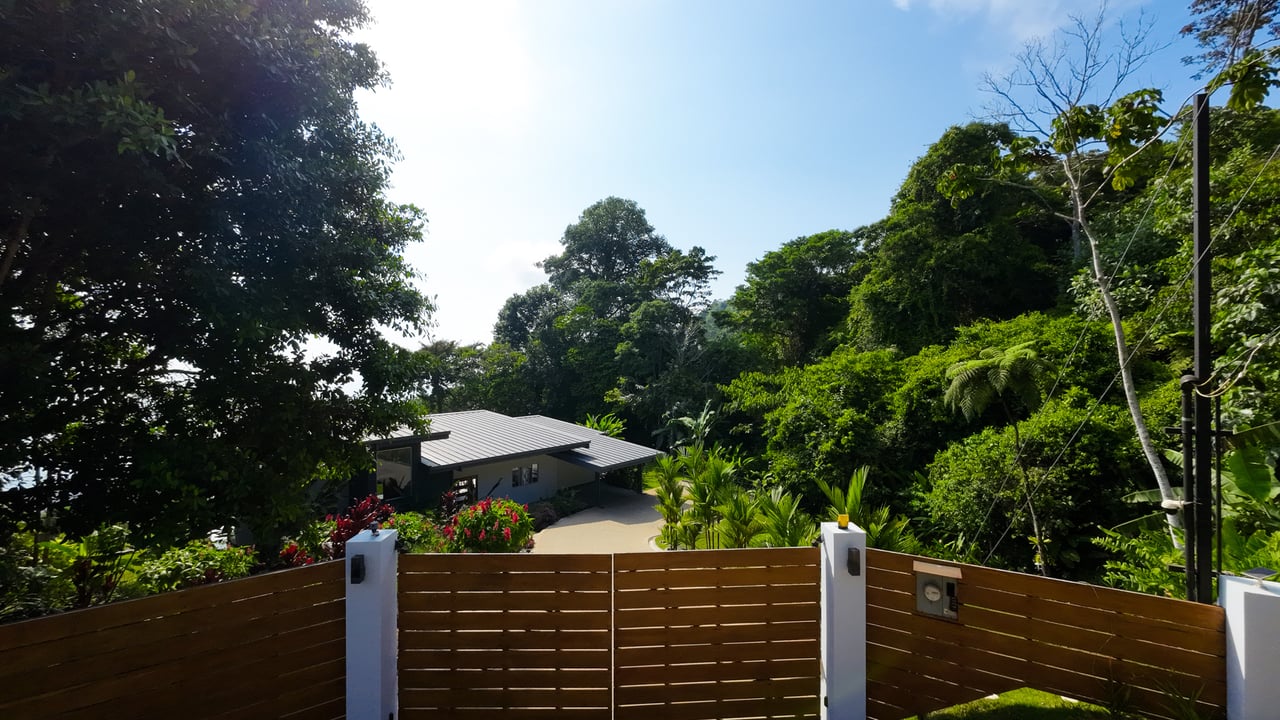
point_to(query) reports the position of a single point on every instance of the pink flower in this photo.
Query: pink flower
(481, 534)
(506, 533)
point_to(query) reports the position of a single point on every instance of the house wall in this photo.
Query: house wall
(553, 475)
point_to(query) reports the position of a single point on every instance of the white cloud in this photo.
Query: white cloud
(1022, 19)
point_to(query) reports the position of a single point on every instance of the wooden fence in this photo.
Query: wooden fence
(1092, 643)
(690, 635)
(716, 634)
(515, 636)
(265, 647)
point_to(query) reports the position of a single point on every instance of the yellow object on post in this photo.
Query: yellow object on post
(842, 521)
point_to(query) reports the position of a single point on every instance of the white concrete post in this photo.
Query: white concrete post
(1253, 647)
(844, 623)
(371, 627)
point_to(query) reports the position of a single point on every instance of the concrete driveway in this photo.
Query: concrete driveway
(624, 522)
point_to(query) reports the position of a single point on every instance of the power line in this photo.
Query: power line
(1118, 266)
(1134, 350)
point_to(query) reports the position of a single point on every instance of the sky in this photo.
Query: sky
(737, 125)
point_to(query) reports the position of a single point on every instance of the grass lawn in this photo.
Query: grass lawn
(1022, 704)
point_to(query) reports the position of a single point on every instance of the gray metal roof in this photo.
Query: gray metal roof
(603, 454)
(475, 437)
(481, 436)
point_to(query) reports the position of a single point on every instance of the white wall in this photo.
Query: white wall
(1253, 647)
(553, 475)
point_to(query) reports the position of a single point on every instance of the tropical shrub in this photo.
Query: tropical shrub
(490, 526)
(1079, 467)
(198, 562)
(417, 533)
(30, 584)
(354, 519)
(293, 555)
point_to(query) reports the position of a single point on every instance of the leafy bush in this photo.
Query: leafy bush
(490, 526)
(417, 533)
(292, 555)
(198, 562)
(29, 587)
(1077, 484)
(354, 519)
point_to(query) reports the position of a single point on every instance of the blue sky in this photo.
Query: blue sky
(736, 124)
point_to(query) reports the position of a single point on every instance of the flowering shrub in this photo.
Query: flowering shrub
(354, 519)
(490, 526)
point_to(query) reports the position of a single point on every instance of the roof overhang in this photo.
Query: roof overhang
(404, 441)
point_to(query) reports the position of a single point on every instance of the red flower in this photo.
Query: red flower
(506, 533)
(481, 534)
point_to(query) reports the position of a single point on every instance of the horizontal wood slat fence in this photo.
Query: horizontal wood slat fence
(686, 636)
(269, 646)
(511, 636)
(695, 635)
(717, 634)
(1083, 641)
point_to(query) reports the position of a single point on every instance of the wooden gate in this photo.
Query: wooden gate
(715, 634)
(1107, 646)
(686, 636)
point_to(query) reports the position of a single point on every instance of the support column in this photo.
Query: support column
(844, 623)
(372, 692)
(1253, 646)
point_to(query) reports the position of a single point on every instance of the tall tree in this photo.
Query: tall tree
(938, 265)
(975, 384)
(619, 321)
(189, 196)
(1083, 139)
(796, 296)
(1228, 29)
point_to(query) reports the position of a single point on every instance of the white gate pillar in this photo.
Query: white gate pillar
(1253, 646)
(372, 692)
(844, 623)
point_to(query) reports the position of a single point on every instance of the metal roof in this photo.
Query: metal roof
(475, 437)
(603, 454)
(481, 436)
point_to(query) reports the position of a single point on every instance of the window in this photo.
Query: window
(464, 491)
(395, 472)
(516, 476)
(533, 473)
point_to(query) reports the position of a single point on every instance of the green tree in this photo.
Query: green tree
(620, 323)
(1085, 143)
(975, 384)
(797, 296)
(189, 197)
(938, 265)
(1227, 29)
(1080, 462)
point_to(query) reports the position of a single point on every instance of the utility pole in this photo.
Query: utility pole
(1202, 500)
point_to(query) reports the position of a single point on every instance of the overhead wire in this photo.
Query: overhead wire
(1117, 267)
(1134, 350)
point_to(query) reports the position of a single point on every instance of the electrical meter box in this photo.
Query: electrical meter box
(937, 590)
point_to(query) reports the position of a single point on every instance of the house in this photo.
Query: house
(479, 453)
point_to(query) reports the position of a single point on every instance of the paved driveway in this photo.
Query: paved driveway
(625, 522)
